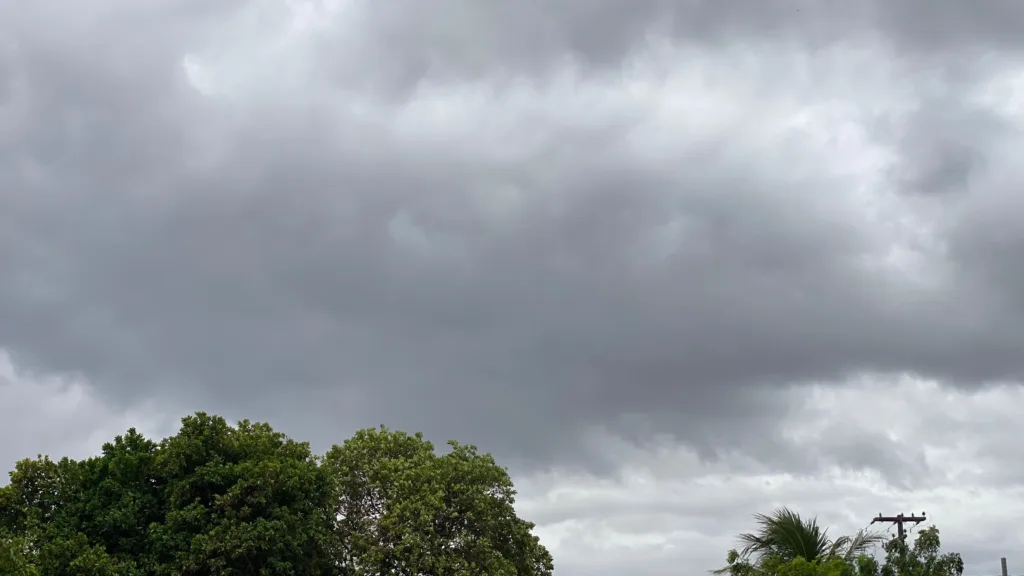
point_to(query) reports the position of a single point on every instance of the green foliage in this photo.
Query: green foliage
(776, 566)
(15, 558)
(802, 567)
(784, 536)
(403, 509)
(786, 545)
(736, 565)
(924, 558)
(224, 500)
(243, 500)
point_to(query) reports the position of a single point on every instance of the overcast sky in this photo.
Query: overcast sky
(674, 262)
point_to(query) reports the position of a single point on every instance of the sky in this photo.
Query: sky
(672, 262)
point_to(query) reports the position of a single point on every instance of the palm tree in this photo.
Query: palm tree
(784, 536)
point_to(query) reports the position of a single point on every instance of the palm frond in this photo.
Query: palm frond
(785, 535)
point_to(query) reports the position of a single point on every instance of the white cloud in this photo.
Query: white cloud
(59, 415)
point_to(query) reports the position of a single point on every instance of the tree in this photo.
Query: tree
(213, 499)
(799, 566)
(36, 517)
(245, 500)
(15, 559)
(786, 545)
(404, 510)
(784, 536)
(834, 566)
(240, 500)
(924, 558)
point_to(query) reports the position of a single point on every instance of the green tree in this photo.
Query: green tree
(923, 558)
(36, 512)
(213, 499)
(244, 500)
(735, 565)
(825, 567)
(784, 536)
(238, 501)
(786, 545)
(15, 557)
(404, 510)
(775, 566)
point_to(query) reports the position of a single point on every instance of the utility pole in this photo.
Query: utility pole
(899, 520)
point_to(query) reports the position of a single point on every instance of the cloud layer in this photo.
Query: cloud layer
(236, 207)
(521, 224)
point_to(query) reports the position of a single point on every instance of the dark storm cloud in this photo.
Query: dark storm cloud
(263, 258)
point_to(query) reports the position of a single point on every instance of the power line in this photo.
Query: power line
(899, 520)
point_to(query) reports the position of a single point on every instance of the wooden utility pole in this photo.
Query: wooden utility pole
(899, 520)
(1002, 562)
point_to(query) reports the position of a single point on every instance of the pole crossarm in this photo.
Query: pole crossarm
(899, 520)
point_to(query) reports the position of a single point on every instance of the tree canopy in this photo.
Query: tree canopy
(785, 536)
(786, 544)
(224, 500)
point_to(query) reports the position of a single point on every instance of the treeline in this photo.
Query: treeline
(785, 544)
(245, 500)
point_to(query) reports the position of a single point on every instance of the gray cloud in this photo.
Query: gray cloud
(302, 253)
(454, 39)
